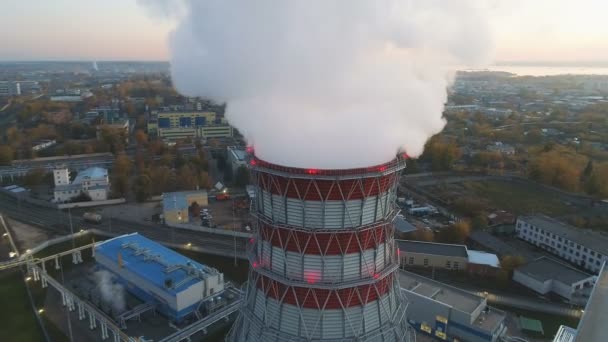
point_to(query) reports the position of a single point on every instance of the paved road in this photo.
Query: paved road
(58, 222)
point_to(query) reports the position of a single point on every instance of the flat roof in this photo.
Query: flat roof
(152, 261)
(483, 258)
(451, 296)
(530, 324)
(402, 225)
(544, 268)
(585, 237)
(434, 248)
(103, 155)
(590, 328)
(239, 154)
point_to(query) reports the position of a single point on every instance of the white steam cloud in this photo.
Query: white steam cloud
(327, 84)
(111, 292)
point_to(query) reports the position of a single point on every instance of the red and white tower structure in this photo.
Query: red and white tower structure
(323, 260)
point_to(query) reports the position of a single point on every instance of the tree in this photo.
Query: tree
(186, 178)
(122, 165)
(120, 185)
(141, 137)
(479, 221)
(442, 155)
(511, 262)
(34, 177)
(194, 209)
(426, 235)
(142, 187)
(161, 179)
(241, 177)
(456, 233)
(6, 154)
(204, 180)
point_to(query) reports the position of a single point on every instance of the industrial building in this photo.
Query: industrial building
(446, 256)
(93, 182)
(583, 247)
(590, 327)
(545, 275)
(323, 262)
(449, 313)
(176, 205)
(237, 157)
(176, 285)
(431, 254)
(195, 124)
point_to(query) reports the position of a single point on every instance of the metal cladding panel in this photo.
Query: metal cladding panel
(352, 266)
(200, 121)
(311, 323)
(295, 212)
(278, 260)
(265, 200)
(293, 265)
(313, 215)
(278, 209)
(313, 265)
(369, 210)
(334, 214)
(381, 254)
(185, 122)
(352, 213)
(353, 320)
(290, 319)
(368, 266)
(265, 255)
(259, 307)
(333, 324)
(371, 316)
(332, 268)
(324, 214)
(273, 311)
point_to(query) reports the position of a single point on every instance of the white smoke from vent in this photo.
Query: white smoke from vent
(113, 293)
(327, 84)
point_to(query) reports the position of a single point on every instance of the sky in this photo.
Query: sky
(536, 31)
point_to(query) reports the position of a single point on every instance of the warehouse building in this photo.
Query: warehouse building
(446, 256)
(176, 285)
(431, 254)
(545, 275)
(449, 313)
(177, 204)
(582, 247)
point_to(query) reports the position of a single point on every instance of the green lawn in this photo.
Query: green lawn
(518, 198)
(18, 320)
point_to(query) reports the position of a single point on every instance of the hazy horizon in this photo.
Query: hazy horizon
(560, 32)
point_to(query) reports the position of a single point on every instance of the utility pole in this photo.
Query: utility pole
(234, 230)
(71, 228)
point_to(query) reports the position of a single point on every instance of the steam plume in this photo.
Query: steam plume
(327, 84)
(111, 292)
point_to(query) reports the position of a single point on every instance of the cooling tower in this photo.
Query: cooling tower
(323, 259)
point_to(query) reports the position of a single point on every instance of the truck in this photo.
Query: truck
(222, 196)
(92, 217)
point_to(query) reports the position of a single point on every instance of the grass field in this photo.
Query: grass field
(18, 320)
(518, 198)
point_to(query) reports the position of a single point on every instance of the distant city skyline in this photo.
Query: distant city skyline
(544, 32)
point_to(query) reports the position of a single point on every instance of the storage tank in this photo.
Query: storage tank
(323, 259)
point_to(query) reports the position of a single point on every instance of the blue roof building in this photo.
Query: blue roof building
(157, 274)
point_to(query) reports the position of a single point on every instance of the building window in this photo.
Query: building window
(597, 263)
(426, 262)
(578, 247)
(456, 265)
(592, 253)
(585, 249)
(577, 254)
(411, 260)
(448, 264)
